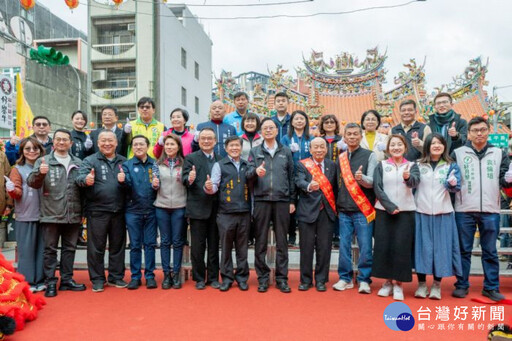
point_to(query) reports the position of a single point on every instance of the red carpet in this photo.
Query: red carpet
(189, 314)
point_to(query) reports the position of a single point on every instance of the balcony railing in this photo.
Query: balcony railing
(112, 93)
(113, 49)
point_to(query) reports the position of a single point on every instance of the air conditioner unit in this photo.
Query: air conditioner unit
(99, 75)
(131, 27)
(132, 115)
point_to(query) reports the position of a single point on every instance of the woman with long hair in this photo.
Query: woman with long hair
(436, 247)
(298, 138)
(393, 181)
(29, 236)
(372, 139)
(170, 205)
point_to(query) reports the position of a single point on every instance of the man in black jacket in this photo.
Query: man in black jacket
(104, 209)
(202, 211)
(274, 200)
(316, 214)
(447, 122)
(229, 179)
(414, 132)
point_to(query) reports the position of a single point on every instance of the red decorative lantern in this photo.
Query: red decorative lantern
(72, 4)
(491, 112)
(118, 2)
(27, 4)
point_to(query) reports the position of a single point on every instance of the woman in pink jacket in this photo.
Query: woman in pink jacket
(179, 118)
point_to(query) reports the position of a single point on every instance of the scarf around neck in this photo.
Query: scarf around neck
(442, 120)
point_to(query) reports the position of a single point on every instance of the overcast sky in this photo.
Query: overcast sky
(447, 33)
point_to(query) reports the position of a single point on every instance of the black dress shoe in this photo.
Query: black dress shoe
(176, 281)
(200, 285)
(71, 285)
(321, 287)
(262, 287)
(225, 286)
(243, 286)
(305, 286)
(167, 282)
(284, 287)
(51, 290)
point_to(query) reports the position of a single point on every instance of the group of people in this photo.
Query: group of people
(412, 198)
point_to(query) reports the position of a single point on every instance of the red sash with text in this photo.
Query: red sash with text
(322, 180)
(354, 190)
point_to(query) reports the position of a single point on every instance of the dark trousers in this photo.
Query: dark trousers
(316, 236)
(204, 234)
(69, 238)
(234, 228)
(279, 213)
(100, 227)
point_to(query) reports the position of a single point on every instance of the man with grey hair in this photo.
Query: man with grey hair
(315, 179)
(355, 207)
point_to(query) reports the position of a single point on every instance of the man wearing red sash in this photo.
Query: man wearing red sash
(316, 213)
(355, 207)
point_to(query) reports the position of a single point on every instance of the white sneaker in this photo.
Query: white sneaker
(33, 288)
(364, 288)
(342, 285)
(398, 292)
(422, 290)
(435, 291)
(386, 289)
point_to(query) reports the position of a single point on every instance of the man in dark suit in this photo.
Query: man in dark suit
(202, 211)
(109, 120)
(316, 213)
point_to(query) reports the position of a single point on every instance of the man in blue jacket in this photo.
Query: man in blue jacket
(241, 100)
(282, 117)
(137, 174)
(222, 130)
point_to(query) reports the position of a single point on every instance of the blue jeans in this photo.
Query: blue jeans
(350, 222)
(142, 232)
(171, 226)
(489, 226)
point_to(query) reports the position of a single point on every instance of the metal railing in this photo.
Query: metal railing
(113, 93)
(113, 49)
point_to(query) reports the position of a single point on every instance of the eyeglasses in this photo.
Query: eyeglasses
(61, 139)
(442, 102)
(481, 130)
(31, 149)
(41, 124)
(145, 107)
(207, 138)
(329, 122)
(268, 128)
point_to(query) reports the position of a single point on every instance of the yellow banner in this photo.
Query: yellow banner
(24, 114)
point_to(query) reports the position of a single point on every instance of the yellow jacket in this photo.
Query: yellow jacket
(152, 131)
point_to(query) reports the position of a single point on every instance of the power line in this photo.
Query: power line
(268, 16)
(235, 5)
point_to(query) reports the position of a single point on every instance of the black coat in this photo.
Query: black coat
(107, 194)
(200, 205)
(309, 203)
